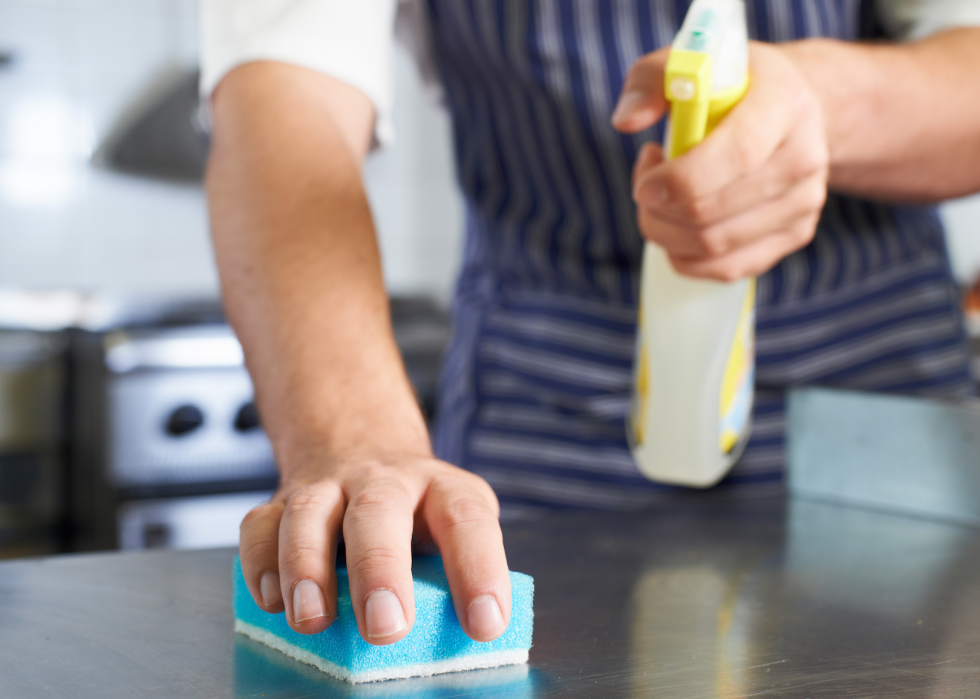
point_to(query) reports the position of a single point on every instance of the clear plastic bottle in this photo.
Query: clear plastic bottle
(694, 372)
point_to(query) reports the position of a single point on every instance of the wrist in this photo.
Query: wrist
(371, 426)
(818, 61)
(848, 82)
(314, 459)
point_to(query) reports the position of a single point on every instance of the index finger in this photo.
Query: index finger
(743, 142)
(642, 101)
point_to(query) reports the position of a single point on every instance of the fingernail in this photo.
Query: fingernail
(270, 588)
(383, 614)
(307, 601)
(629, 104)
(484, 617)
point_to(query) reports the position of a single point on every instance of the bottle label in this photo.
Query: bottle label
(641, 386)
(640, 400)
(738, 382)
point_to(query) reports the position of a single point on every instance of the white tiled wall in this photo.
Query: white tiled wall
(81, 66)
(413, 194)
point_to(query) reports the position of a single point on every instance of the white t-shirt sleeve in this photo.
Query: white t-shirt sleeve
(907, 20)
(350, 40)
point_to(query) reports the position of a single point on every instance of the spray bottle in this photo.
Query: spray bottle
(690, 414)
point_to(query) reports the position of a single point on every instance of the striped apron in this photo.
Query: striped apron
(535, 385)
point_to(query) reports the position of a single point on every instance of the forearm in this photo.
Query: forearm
(903, 120)
(300, 268)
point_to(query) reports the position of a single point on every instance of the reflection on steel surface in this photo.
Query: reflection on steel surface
(262, 670)
(699, 611)
(719, 599)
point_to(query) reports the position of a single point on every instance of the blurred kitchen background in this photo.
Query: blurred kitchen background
(125, 413)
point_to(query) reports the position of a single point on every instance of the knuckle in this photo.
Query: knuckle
(648, 225)
(813, 202)
(712, 242)
(480, 483)
(807, 200)
(679, 265)
(373, 562)
(702, 210)
(305, 500)
(728, 273)
(812, 159)
(771, 188)
(644, 71)
(804, 232)
(296, 556)
(258, 515)
(381, 492)
(484, 494)
(815, 198)
(677, 185)
(819, 156)
(257, 550)
(466, 511)
(746, 152)
(380, 496)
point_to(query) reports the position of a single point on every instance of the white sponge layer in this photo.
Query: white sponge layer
(465, 662)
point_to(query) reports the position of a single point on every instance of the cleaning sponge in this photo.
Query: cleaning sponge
(435, 644)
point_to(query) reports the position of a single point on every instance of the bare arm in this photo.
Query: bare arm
(299, 264)
(903, 120)
(302, 286)
(893, 122)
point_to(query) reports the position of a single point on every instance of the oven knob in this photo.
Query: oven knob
(184, 420)
(247, 418)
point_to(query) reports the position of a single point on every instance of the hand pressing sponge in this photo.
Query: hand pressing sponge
(435, 644)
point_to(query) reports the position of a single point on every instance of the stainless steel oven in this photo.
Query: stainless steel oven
(186, 453)
(169, 449)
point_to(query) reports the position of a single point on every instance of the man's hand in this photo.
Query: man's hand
(289, 546)
(895, 122)
(302, 285)
(749, 194)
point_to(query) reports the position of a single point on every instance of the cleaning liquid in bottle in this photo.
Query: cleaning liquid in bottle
(691, 409)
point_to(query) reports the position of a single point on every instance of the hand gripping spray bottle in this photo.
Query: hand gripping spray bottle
(695, 363)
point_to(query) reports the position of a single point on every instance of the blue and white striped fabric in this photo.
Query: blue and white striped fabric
(536, 382)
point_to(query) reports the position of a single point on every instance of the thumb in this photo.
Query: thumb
(642, 102)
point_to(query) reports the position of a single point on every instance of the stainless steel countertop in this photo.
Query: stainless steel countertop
(716, 599)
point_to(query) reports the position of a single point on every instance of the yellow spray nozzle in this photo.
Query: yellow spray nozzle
(687, 81)
(707, 71)
(694, 109)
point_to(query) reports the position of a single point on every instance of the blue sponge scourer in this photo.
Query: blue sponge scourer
(435, 644)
